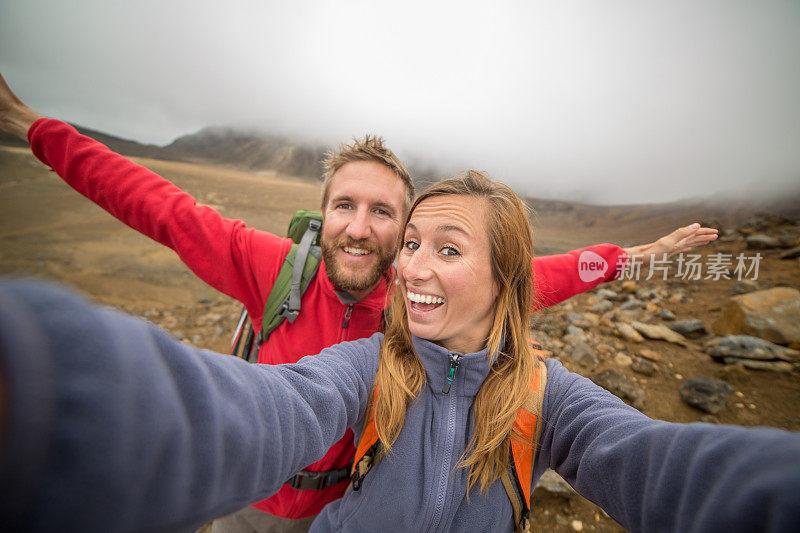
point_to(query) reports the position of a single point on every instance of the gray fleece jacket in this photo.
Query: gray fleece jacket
(112, 425)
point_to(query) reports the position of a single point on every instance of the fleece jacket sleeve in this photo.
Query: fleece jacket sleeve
(113, 425)
(234, 259)
(560, 277)
(658, 476)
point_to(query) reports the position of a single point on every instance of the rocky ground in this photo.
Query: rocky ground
(645, 340)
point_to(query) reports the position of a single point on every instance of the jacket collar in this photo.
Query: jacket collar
(374, 300)
(469, 375)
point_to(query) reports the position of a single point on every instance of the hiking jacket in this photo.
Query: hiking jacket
(113, 425)
(244, 263)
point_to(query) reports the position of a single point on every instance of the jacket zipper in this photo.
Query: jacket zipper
(347, 314)
(452, 373)
(441, 495)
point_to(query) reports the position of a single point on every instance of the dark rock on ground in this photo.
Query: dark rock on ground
(791, 253)
(643, 366)
(582, 352)
(748, 347)
(705, 393)
(666, 314)
(743, 287)
(602, 306)
(617, 384)
(691, 328)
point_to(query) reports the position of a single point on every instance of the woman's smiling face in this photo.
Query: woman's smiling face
(445, 272)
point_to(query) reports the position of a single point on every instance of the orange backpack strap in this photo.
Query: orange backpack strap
(369, 447)
(517, 480)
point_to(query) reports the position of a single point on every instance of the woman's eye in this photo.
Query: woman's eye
(450, 251)
(410, 245)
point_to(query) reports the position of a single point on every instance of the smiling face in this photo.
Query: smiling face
(445, 273)
(362, 220)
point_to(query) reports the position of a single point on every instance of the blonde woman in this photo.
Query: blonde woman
(135, 431)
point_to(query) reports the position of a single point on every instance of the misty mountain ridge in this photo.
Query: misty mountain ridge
(259, 152)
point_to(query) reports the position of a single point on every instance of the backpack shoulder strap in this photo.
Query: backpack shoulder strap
(368, 449)
(517, 479)
(299, 268)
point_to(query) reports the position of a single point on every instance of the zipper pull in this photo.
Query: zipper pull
(347, 314)
(453, 365)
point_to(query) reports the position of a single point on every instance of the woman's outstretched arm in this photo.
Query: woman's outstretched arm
(111, 424)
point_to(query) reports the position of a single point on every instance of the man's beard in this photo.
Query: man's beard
(348, 280)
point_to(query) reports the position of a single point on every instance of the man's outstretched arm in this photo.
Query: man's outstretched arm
(16, 118)
(238, 261)
(559, 277)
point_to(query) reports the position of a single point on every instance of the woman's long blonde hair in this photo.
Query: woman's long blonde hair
(401, 376)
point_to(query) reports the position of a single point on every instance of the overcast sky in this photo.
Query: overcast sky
(602, 101)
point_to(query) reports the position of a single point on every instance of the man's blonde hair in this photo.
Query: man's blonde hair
(370, 148)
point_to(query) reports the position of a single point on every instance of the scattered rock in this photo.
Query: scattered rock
(791, 253)
(552, 482)
(617, 384)
(623, 359)
(604, 348)
(691, 328)
(582, 351)
(577, 525)
(709, 419)
(629, 286)
(628, 333)
(632, 303)
(743, 287)
(204, 301)
(706, 394)
(775, 366)
(606, 294)
(788, 240)
(659, 332)
(650, 354)
(772, 314)
(749, 347)
(761, 242)
(666, 314)
(602, 306)
(644, 367)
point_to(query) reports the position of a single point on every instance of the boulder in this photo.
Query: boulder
(659, 332)
(706, 394)
(617, 384)
(772, 314)
(691, 328)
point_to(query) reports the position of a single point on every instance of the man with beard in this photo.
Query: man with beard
(366, 194)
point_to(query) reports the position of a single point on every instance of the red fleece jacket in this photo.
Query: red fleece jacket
(244, 262)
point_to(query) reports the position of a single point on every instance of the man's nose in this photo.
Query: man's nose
(359, 227)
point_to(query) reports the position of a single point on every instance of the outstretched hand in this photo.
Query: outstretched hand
(679, 241)
(15, 117)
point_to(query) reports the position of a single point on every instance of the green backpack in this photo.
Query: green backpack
(299, 268)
